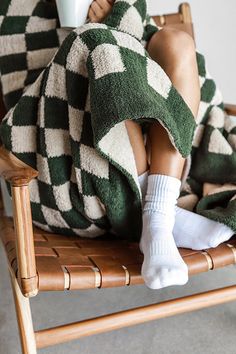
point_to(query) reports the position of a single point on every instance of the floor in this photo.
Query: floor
(208, 331)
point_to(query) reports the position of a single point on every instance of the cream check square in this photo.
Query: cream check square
(126, 41)
(13, 81)
(40, 58)
(21, 7)
(75, 123)
(93, 163)
(93, 207)
(62, 196)
(57, 142)
(158, 79)
(107, 60)
(131, 23)
(37, 24)
(56, 82)
(19, 142)
(12, 44)
(34, 191)
(53, 217)
(41, 226)
(43, 169)
(77, 63)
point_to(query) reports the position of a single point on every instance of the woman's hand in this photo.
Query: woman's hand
(99, 10)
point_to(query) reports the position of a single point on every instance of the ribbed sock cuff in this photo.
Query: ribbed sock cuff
(162, 192)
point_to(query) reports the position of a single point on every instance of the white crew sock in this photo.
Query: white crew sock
(197, 232)
(162, 265)
(192, 230)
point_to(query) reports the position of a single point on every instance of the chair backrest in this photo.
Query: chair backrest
(181, 20)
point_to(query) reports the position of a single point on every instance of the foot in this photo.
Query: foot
(197, 232)
(163, 265)
(192, 230)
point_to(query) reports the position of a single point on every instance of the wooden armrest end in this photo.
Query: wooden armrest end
(19, 175)
(15, 171)
(230, 109)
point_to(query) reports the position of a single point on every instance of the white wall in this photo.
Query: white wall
(215, 32)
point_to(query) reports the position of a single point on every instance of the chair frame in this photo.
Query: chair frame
(25, 283)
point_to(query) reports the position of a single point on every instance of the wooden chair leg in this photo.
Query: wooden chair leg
(24, 318)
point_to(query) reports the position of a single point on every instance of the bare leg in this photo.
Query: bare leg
(175, 52)
(165, 159)
(163, 265)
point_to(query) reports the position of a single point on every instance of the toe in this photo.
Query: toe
(176, 276)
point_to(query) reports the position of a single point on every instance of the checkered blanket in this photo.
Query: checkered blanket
(68, 101)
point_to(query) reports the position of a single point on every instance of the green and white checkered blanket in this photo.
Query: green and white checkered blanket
(68, 101)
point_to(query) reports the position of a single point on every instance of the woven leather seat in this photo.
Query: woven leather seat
(69, 263)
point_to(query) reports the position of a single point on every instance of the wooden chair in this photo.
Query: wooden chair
(39, 261)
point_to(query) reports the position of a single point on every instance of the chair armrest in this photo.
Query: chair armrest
(15, 171)
(19, 175)
(230, 109)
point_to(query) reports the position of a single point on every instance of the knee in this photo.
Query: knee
(174, 44)
(180, 43)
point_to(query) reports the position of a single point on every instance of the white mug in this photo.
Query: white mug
(73, 13)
